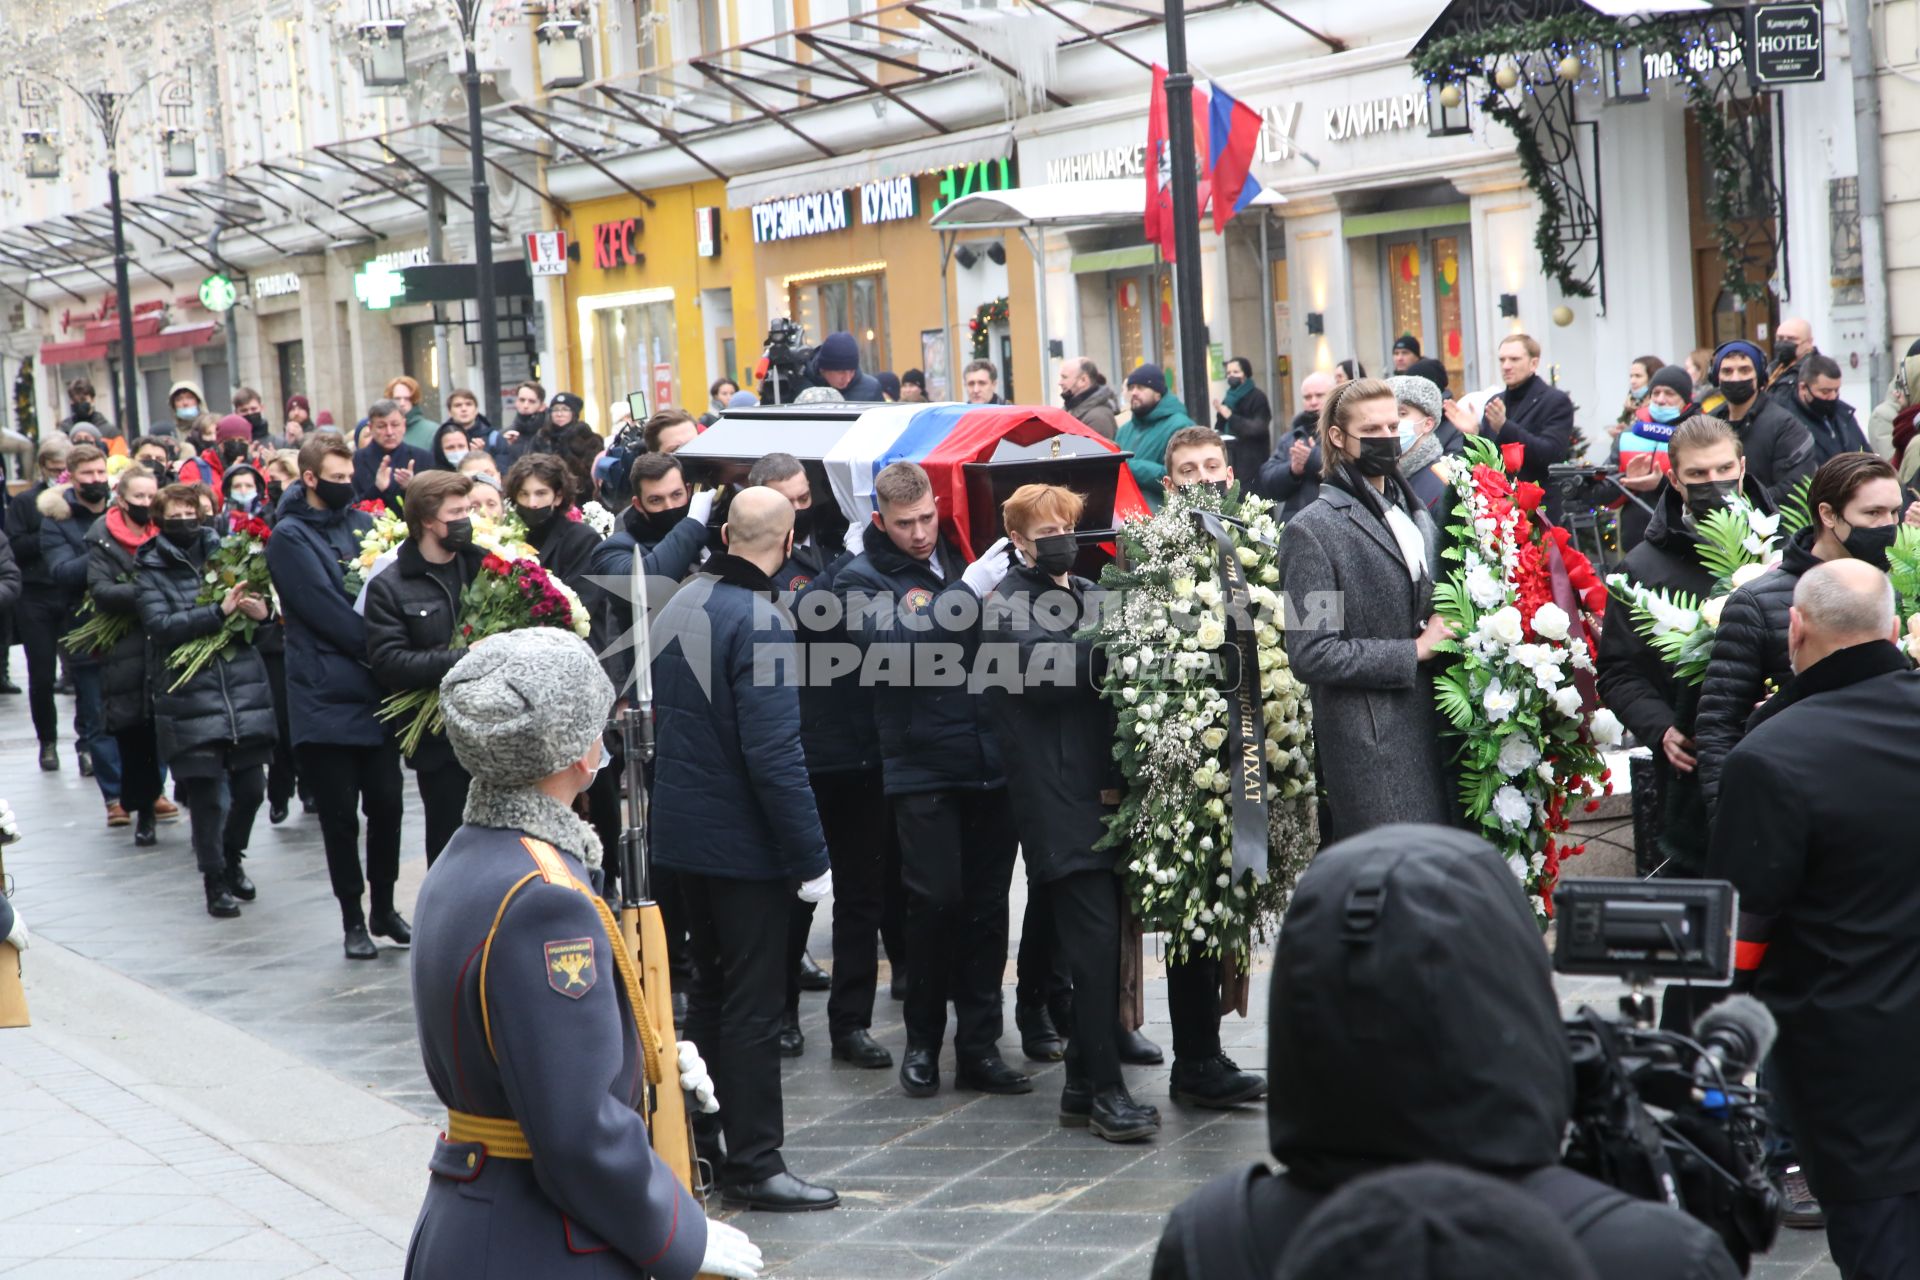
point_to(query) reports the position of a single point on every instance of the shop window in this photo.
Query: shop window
(217, 384)
(420, 360)
(1428, 274)
(154, 381)
(851, 304)
(291, 358)
(634, 349)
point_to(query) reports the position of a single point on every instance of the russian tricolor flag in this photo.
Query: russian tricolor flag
(1233, 133)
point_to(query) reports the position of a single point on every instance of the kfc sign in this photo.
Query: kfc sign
(613, 244)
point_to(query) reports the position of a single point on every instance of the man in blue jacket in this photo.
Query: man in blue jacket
(940, 768)
(733, 817)
(836, 364)
(331, 692)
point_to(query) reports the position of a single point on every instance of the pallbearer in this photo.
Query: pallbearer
(527, 1005)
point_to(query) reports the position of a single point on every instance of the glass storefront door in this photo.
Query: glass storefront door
(1428, 275)
(1141, 303)
(631, 346)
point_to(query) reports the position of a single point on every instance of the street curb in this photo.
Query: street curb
(346, 1147)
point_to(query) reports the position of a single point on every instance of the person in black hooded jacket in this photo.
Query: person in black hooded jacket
(567, 436)
(1779, 451)
(412, 609)
(1855, 501)
(216, 731)
(1425, 1028)
(113, 542)
(1635, 683)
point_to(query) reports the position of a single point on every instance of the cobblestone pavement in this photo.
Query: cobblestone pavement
(959, 1185)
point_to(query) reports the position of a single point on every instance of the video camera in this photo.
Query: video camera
(784, 363)
(1657, 1114)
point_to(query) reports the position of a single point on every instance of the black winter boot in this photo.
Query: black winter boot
(237, 878)
(220, 903)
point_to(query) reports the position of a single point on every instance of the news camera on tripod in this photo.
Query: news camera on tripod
(1411, 1018)
(787, 368)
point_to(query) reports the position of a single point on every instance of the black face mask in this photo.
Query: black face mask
(802, 524)
(256, 420)
(1740, 390)
(1218, 486)
(1785, 353)
(335, 493)
(1705, 497)
(658, 524)
(139, 515)
(1054, 554)
(459, 534)
(1379, 455)
(91, 491)
(181, 531)
(1820, 408)
(274, 490)
(1871, 545)
(162, 473)
(83, 408)
(535, 517)
(232, 451)
(1234, 379)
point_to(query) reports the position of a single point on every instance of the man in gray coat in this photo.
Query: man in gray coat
(1085, 393)
(528, 1009)
(1358, 568)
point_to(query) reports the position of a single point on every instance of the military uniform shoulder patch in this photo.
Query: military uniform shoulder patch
(570, 967)
(916, 600)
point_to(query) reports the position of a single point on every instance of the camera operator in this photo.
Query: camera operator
(836, 364)
(1411, 1018)
(1829, 927)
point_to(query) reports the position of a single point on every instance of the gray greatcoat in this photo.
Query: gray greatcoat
(1353, 616)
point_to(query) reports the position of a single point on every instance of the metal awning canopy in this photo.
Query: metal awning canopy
(1059, 206)
(954, 150)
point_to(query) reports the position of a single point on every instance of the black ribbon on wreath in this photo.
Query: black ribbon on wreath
(1246, 736)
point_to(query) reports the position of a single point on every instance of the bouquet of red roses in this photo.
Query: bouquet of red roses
(506, 595)
(240, 559)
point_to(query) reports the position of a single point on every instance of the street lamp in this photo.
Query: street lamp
(182, 160)
(1447, 108)
(383, 52)
(563, 53)
(43, 154)
(1626, 73)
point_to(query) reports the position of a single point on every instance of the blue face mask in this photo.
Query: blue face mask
(1664, 414)
(1408, 435)
(1640, 393)
(186, 412)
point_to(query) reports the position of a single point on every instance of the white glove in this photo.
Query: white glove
(818, 889)
(702, 505)
(694, 1078)
(984, 574)
(856, 539)
(730, 1253)
(18, 935)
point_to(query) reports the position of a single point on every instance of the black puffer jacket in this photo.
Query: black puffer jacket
(23, 531)
(1056, 732)
(836, 715)
(932, 737)
(410, 619)
(1749, 649)
(1293, 492)
(9, 575)
(229, 702)
(1779, 451)
(1424, 1029)
(112, 582)
(566, 548)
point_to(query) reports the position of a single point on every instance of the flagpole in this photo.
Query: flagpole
(1189, 321)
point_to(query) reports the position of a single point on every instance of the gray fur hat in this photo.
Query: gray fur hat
(524, 705)
(1418, 392)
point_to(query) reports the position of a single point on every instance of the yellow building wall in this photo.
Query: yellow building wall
(668, 242)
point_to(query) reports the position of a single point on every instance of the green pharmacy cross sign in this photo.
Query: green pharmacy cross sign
(217, 293)
(378, 285)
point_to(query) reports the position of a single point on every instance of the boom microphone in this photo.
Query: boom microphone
(1737, 1034)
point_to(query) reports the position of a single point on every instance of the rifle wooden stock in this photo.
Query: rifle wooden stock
(669, 1126)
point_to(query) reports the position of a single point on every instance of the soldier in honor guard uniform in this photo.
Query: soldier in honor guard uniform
(527, 1005)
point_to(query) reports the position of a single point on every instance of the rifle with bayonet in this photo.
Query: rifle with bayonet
(643, 932)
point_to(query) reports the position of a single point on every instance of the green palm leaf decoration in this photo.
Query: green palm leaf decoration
(1794, 514)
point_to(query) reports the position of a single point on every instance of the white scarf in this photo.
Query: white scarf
(1413, 547)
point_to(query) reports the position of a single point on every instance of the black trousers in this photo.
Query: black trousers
(1041, 972)
(799, 927)
(1875, 1239)
(737, 932)
(140, 781)
(443, 797)
(865, 851)
(1193, 1007)
(283, 776)
(41, 619)
(221, 808)
(956, 861)
(1086, 918)
(340, 776)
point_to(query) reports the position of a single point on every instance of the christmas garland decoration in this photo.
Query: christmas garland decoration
(980, 327)
(1476, 54)
(1169, 650)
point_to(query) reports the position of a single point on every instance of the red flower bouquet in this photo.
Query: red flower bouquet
(506, 595)
(241, 558)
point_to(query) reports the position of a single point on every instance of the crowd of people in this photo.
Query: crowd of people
(911, 802)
